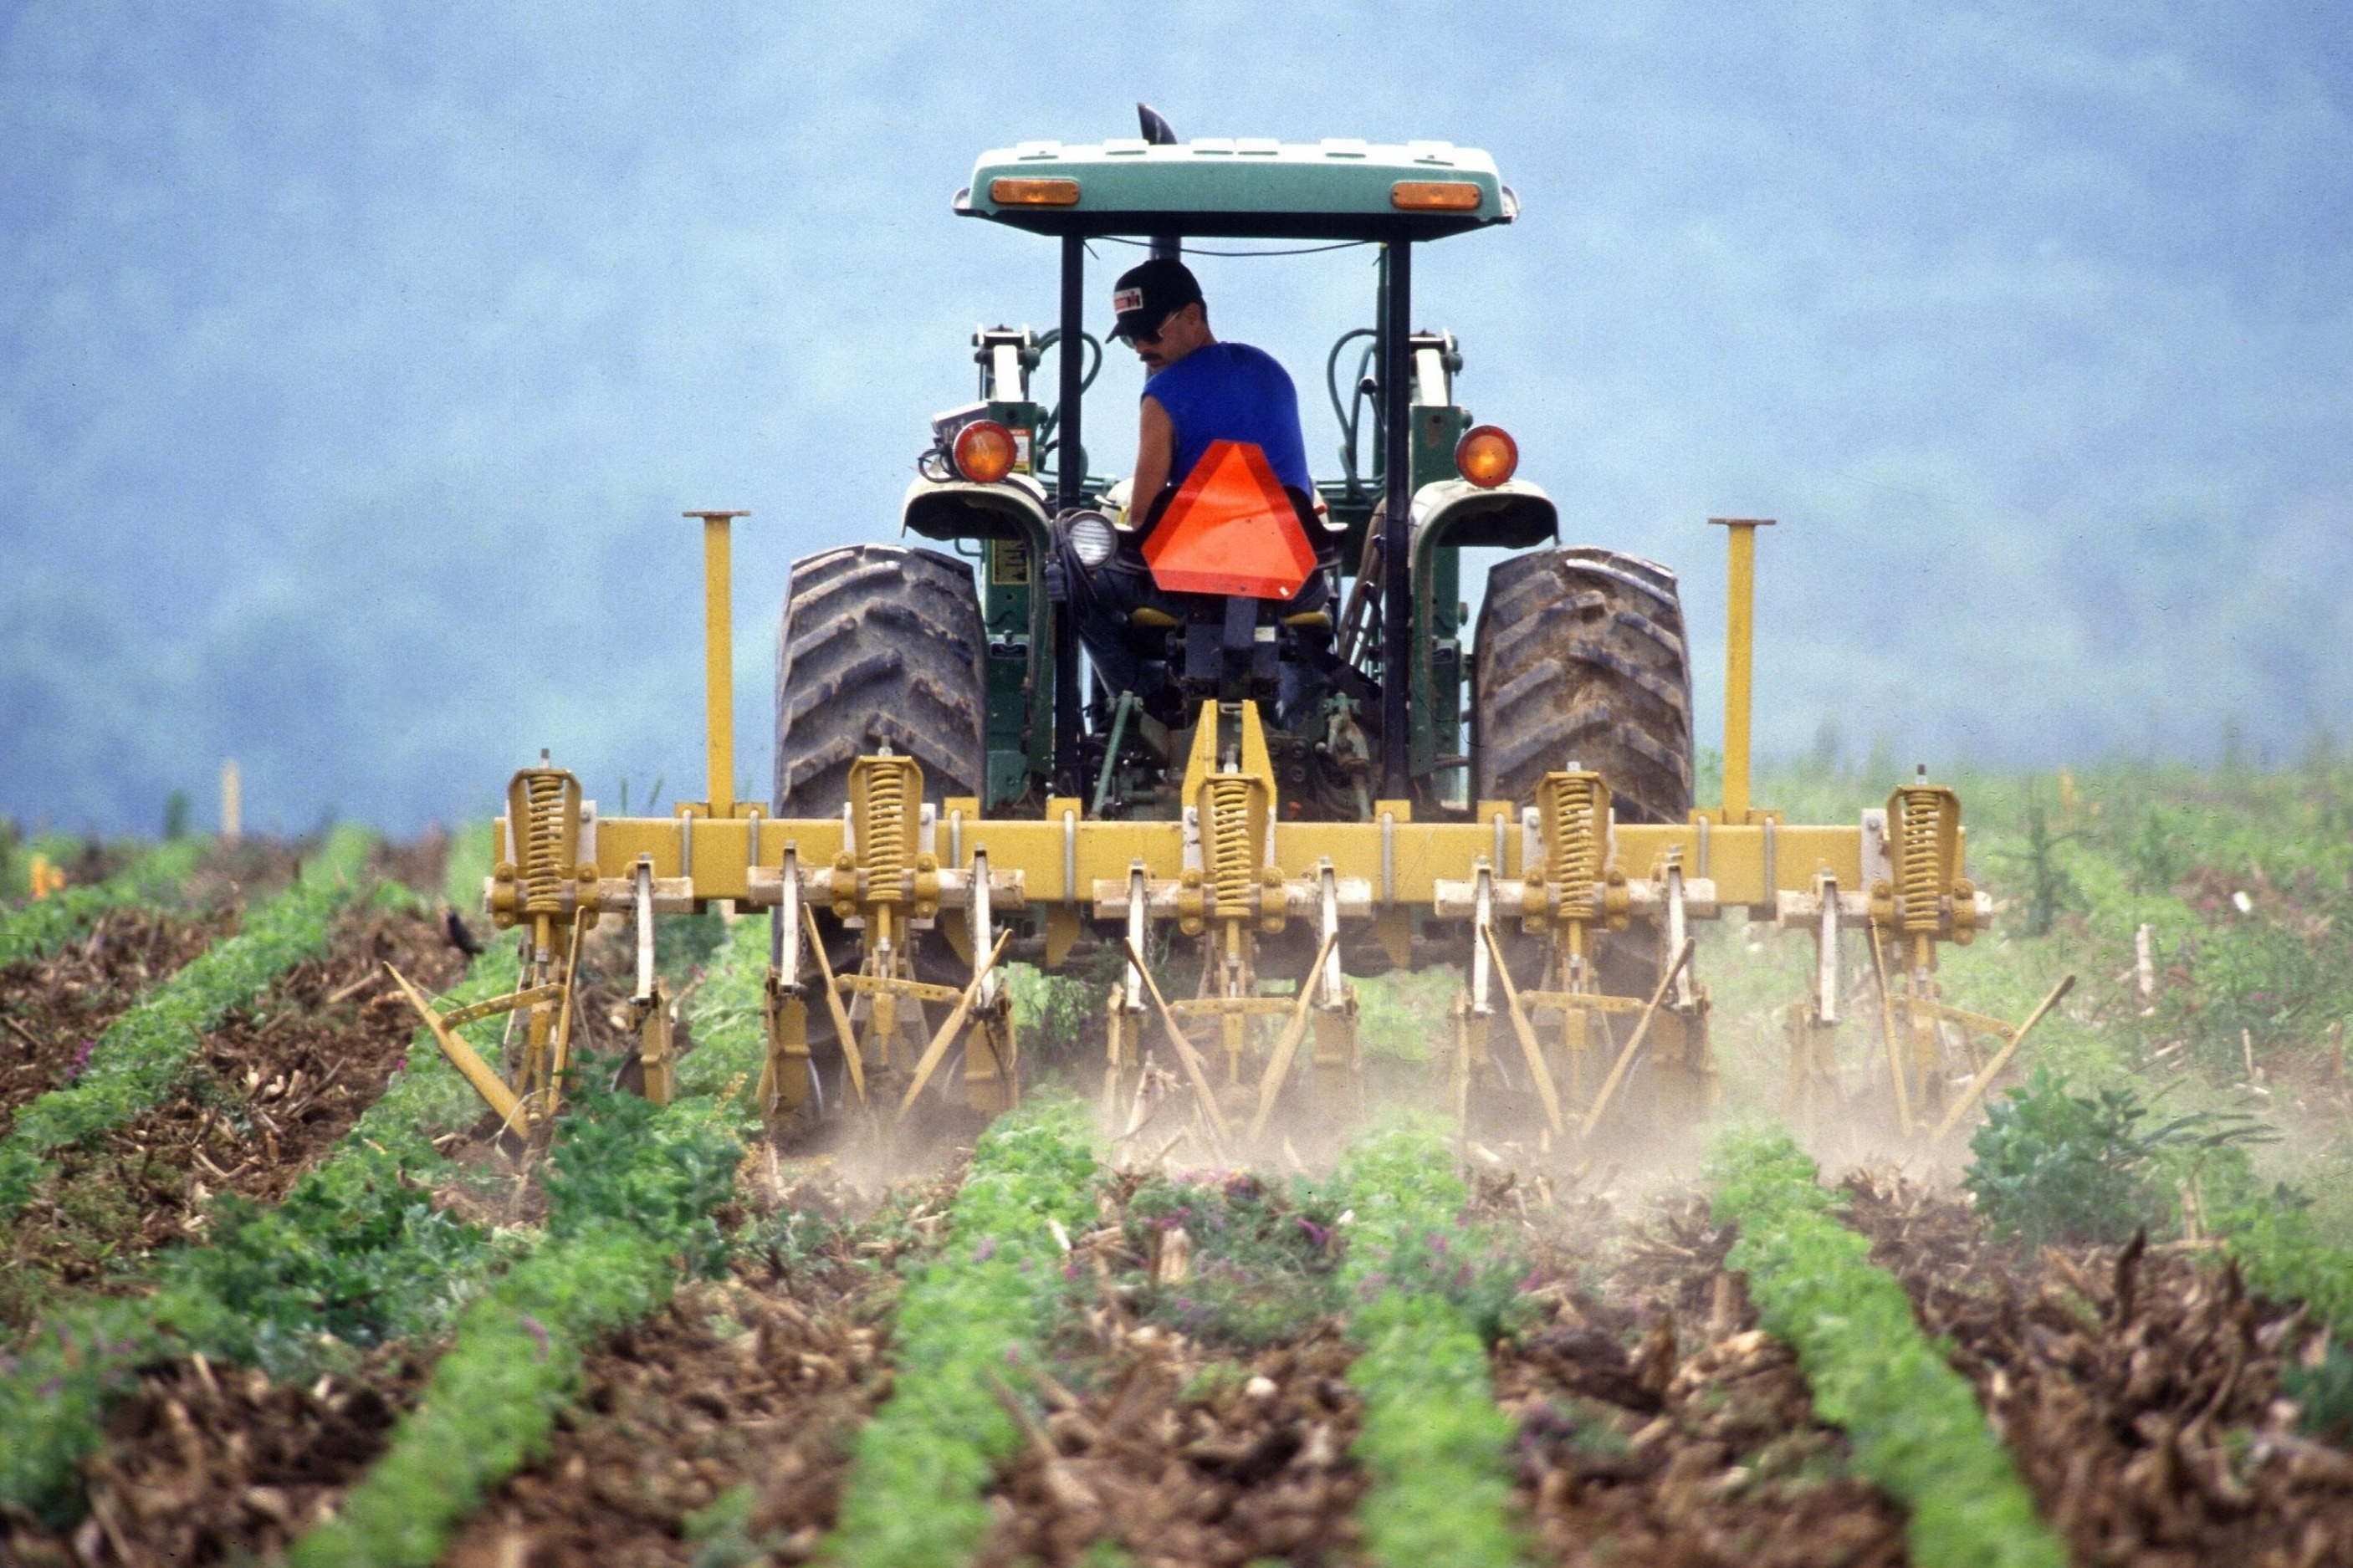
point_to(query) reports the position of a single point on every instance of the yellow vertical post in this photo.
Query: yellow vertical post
(719, 658)
(232, 804)
(1739, 648)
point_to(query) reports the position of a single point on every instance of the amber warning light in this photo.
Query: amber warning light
(983, 451)
(1430, 196)
(1010, 193)
(1486, 455)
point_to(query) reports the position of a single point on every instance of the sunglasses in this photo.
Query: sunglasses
(1146, 339)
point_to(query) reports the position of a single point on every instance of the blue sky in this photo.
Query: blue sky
(356, 360)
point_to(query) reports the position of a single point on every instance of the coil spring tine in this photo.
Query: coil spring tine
(543, 873)
(1229, 849)
(885, 839)
(1920, 879)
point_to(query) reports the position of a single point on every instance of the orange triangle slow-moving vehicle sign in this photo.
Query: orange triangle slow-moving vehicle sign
(1230, 529)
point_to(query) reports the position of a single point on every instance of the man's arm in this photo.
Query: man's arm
(1156, 449)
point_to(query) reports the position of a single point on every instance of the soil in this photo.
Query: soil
(248, 868)
(749, 1390)
(731, 1386)
(270, 1090)
(52, 1008)
(1658, 1427)
(417, 865)
(208, 1465)
(1188, 1459)
(2137, 1387)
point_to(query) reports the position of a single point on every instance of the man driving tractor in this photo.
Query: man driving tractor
(1198, 392)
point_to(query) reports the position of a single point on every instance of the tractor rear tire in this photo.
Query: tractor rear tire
(881, 645)
(1581, 659)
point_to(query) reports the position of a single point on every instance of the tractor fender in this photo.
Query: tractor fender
(1450, 514)
(1012, 508)
(1509, 516)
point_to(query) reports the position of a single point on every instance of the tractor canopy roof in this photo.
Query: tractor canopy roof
(1241, 187)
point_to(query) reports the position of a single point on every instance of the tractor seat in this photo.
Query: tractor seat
(1150, 620)
(1309, 621)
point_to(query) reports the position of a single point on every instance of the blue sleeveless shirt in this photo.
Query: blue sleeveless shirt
(1232, 392)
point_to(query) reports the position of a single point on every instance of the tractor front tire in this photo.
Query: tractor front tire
(881, 646)
(1581, 659)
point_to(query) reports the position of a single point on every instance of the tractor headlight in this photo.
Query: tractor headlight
(1092, 539)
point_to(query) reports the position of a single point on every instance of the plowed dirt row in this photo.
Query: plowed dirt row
(52, 1009)
(207, 1465)
(1697, 1445)
(2139, 1389)
(729, 1415)
(267, 1093)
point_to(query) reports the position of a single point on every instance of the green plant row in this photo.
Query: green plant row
(355, 1255)
(632, 1191)
(967, 1319)
(1913, 1423)
(1435, 1445)
(42, 927)
(135, 1062)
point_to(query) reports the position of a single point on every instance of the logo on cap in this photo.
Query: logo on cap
(1127, 299)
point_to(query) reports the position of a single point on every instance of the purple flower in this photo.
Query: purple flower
(537, 1332)
(81, 1062)
(1438, 1243)
(1315, 1232)
(985, 1251)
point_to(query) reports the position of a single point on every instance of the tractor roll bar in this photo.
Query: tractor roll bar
(1070, 477)
(1397, 529)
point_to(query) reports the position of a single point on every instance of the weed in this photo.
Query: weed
(2051, 1165)
(1264, 1263)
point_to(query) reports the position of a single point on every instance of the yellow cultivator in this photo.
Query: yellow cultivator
(1550, 889)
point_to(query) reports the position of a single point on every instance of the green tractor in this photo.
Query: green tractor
(967, 662)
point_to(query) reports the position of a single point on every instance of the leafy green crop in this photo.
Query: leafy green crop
(1438, 1449)
(1913, 1421)
(731, 1043)
(632, 1196)
(966, 1318)
(42, 927)
(136, 1063)
(355, 1250)
(632, 1206)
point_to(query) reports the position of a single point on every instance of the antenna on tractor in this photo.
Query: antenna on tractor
(1159, 132)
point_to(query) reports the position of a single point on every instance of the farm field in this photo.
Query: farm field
(273, 1291)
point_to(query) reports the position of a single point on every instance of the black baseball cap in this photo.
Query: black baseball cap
(1145, 296)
